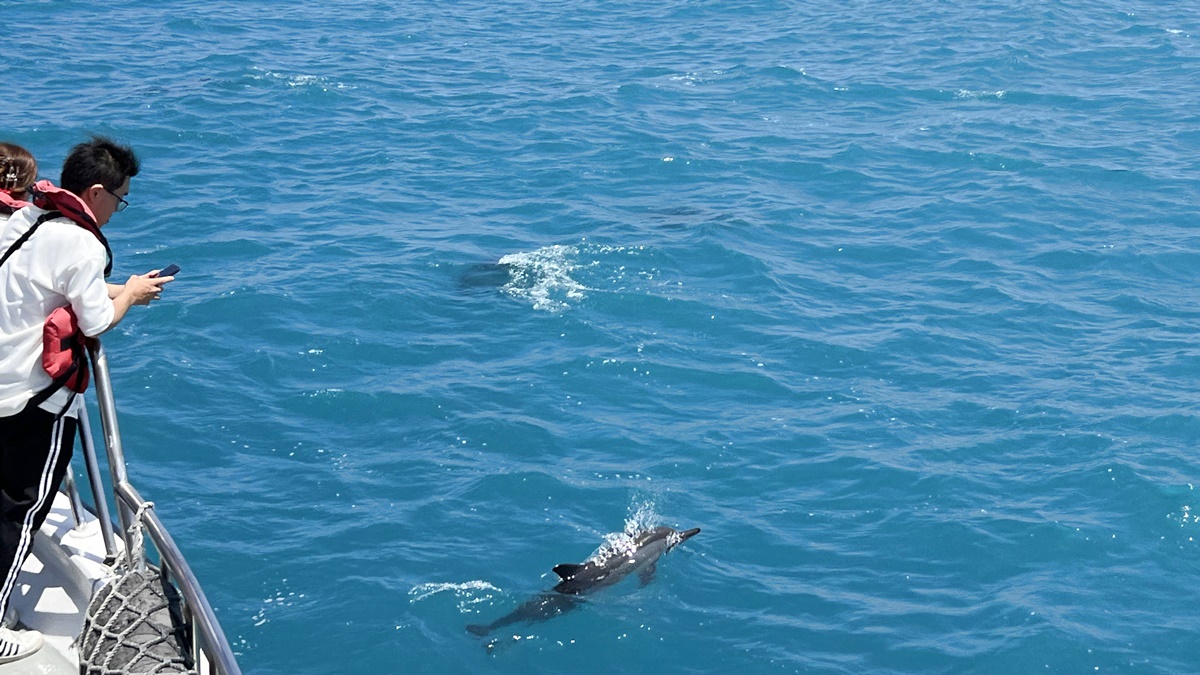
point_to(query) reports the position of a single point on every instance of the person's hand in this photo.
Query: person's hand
(145, 288)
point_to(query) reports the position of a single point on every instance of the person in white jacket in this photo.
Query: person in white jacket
(57, 257)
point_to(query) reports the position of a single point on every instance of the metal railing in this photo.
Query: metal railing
(210, 649)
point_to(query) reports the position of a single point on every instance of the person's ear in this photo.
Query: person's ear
(92, 195)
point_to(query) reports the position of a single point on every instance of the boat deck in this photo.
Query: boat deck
(57, 580)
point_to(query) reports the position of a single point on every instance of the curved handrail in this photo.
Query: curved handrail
(210, 643)
(207, 629)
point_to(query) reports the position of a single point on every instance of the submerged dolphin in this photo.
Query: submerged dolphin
(486, 275)
(609, 566)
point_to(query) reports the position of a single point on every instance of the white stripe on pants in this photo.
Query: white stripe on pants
(45, 490)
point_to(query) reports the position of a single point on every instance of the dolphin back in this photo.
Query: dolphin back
(568, 571)
(579, 579)
(575, 578)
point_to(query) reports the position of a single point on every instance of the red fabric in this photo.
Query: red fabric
(14, 204)
(52, 198)
(59, 335)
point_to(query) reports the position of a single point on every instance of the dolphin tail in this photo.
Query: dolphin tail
(479, 629)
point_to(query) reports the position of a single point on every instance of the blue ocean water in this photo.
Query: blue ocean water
(896, 301)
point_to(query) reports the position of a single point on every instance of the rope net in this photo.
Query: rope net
(134, 626)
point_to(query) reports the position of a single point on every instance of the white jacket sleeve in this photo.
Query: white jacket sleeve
(83, 285)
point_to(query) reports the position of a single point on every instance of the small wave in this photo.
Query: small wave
(967, 93)
(314, 81)
(692, 79)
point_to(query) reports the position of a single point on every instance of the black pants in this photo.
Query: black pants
(35, 453)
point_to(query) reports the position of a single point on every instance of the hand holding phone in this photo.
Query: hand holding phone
(168, 271)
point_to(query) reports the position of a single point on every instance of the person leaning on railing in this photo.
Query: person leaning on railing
(62, 264)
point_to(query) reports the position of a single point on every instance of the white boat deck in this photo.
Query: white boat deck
(57, 581)
(66, 568)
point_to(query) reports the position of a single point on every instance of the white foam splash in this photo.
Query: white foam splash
(554, 278)
(615, 544)
(543, 277)
(642, 517)
(469, 593)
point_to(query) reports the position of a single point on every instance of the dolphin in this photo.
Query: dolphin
(639, 555)
(541, 607)
(486, 275)
(615, 563)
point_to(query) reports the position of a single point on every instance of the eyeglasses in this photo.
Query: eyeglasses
(121, 203)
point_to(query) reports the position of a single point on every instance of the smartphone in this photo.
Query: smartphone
(169, 271)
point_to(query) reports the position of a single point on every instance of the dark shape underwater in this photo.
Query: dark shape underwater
(601, 571)
(486, 275)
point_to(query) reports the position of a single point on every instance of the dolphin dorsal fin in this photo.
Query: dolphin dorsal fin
(567, 570)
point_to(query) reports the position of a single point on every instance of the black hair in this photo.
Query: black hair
(98, 161)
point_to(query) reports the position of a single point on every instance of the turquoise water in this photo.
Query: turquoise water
(896, 301)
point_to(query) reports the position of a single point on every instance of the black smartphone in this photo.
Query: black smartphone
(169, 271)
